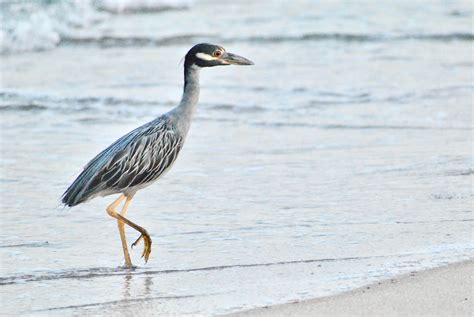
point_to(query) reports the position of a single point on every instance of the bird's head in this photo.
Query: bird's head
(208, 55)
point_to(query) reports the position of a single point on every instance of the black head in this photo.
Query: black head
(208, 55)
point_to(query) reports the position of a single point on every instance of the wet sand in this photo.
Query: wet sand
(444, 291)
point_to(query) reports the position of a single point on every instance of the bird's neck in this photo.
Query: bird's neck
(190, 98)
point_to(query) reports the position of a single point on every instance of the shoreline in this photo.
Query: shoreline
(441, 291)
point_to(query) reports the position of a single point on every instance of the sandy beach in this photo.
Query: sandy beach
(444, 291)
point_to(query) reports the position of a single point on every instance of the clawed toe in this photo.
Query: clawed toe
(147, 245)
(136, 241)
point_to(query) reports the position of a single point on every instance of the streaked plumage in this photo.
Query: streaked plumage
(143, 155)
(130, 163)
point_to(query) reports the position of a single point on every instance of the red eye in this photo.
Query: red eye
(217, 53)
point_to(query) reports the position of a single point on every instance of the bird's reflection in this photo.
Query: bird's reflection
(127, 286)
(148, 285)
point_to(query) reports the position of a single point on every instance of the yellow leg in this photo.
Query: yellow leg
(144, 235)
(121, 220)
(121, 227)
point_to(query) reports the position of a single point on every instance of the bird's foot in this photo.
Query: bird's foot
(126, 267)
(147, 247)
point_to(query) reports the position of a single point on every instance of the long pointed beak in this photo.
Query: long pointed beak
(233, 59)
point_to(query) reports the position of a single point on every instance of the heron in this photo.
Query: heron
(142, 156)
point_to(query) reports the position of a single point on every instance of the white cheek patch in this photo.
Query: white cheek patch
(205, 57)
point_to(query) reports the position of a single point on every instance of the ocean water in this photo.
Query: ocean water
(342, 157)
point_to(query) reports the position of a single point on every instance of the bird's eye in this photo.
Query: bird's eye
(217, 53)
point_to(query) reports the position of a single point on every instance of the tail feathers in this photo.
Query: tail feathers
(78, 192)
(72, 196)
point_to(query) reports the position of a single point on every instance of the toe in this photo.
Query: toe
(147, 249)
(136, 241)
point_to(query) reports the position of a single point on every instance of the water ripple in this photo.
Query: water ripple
(138, 41)
(104, 271)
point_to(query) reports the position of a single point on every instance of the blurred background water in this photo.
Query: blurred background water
(344, 156)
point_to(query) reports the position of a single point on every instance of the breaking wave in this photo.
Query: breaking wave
(44, 24)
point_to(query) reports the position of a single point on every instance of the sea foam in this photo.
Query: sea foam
(43, 25)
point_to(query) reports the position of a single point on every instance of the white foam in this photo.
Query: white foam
(37, 25)
(123, 6)
(33, 26)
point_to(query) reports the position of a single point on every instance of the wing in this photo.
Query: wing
(137, 158)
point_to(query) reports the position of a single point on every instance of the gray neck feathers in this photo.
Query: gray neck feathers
(185, 111)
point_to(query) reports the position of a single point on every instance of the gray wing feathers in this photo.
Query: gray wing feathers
(137, 158)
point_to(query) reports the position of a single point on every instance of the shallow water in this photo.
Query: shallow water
(344, 156)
